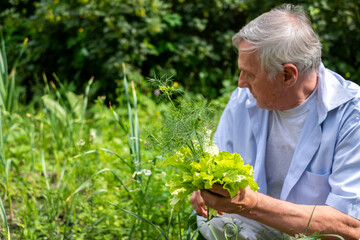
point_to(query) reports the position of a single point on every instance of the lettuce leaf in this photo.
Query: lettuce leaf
(224, 168)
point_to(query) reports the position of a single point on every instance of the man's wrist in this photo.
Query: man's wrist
(254, 199)
(249, 203)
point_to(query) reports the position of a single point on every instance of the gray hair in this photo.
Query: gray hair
(282, 35)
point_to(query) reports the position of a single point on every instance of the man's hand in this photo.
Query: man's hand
(218, 198)
(198, 204)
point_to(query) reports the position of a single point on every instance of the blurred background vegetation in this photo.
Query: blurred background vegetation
(190, 40)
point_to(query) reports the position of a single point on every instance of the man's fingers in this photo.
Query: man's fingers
(198, 203)
(209, 198)
(218, 189)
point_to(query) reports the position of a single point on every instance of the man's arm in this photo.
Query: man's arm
(285, 216)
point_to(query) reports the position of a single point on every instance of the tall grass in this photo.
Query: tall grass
(48, 145)
(6, 164)
(136, 190)
(3, 217)
(8, 93)
(8, 102)
(66, 116)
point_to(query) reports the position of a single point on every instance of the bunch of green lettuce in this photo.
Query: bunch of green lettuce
(224, 168)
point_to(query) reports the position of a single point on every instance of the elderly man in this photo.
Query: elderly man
(298, 124)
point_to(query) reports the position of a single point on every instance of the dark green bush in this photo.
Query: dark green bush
(190, 40)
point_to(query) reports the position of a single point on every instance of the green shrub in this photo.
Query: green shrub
(188, 39)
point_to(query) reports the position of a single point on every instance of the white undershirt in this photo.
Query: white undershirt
(283, 134)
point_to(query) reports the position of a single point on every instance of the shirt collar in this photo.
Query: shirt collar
(333, 91)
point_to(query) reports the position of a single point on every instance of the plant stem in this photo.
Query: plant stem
(179, 220)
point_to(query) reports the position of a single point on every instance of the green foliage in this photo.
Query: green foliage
(226, 169)
(190, 40)
(54, 151)
(187, 121)
(4, 218)
(338, 26)
(8, 92)
(185, 139)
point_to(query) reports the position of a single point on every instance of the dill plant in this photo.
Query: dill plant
(185, 139)
(185, 121)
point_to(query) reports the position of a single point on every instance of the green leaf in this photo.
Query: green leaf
(226, 169)
(3, 217)
(147, 221)
(55, 108)
(75, 102)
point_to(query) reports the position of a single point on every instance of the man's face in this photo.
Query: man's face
(267, 93)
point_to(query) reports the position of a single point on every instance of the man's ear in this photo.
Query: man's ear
(291, 74)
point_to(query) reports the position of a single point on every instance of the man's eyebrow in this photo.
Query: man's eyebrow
(246, 70)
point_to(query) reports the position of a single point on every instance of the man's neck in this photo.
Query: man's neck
(303, 88)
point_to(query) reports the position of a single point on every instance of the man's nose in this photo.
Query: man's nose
(242, 83)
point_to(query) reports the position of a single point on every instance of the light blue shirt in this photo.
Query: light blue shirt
(325, 168)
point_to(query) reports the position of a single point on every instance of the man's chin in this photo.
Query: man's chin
(262, 106)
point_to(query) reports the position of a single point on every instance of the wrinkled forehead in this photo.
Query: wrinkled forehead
(248, 58)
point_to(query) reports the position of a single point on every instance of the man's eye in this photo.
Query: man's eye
(249, 75)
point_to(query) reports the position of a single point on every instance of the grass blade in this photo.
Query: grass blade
(212, 231)
(102, 219)
(7, 81)
(188, 230)
(3, 71)
(83, 154)
(84, 105)
(85, 184)
(312, 213)
(62, 173)
(3, 217)
(55, 108)
(145, 220)
(136, 125)
(317, 236)
(44, 170)
(2, 153)
(100, 191)
(119, 121)
(85, 100)
(179, 225)
(134, 139)
(7, 169)
(118, 156)
(321, 236)
(12, 128)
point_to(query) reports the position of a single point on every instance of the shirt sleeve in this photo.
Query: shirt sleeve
(345, 177)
